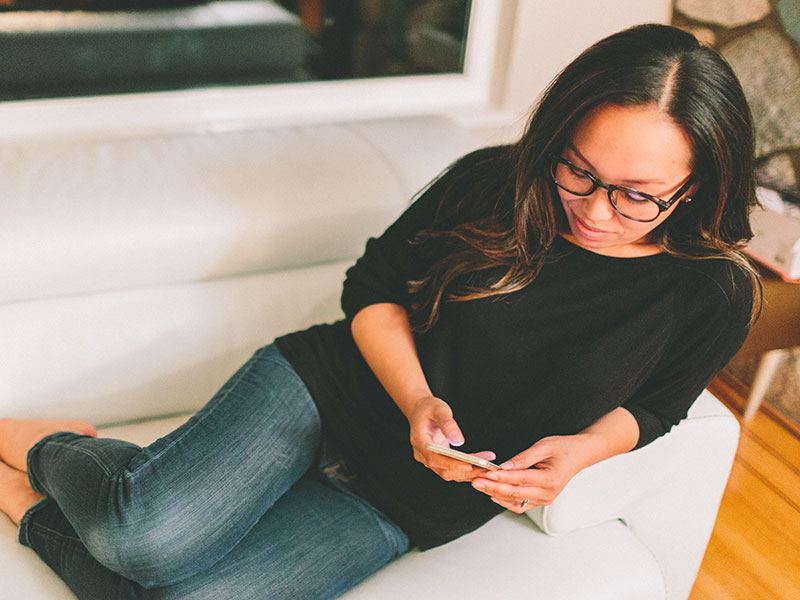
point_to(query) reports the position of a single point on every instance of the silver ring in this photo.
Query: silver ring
(524, 503)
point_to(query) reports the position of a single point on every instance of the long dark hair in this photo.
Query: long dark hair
(646, 64)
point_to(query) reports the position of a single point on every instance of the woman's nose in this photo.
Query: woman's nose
(597, 206)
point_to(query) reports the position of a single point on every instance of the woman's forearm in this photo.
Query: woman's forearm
(613, 433)
(557, 460)
(382, 333)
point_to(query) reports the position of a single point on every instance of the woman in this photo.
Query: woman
(547, 304)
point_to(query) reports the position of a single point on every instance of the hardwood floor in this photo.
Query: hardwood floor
(754, 552)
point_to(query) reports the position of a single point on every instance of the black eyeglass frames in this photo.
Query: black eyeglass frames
(629, 202)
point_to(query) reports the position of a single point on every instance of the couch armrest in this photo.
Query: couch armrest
(668, 493)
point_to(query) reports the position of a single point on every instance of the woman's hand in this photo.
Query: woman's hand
(383, 335)
(556, 460)
(431, 420)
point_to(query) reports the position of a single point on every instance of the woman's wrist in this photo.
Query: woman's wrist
(614, 433)
(590, 448)
(409, 403)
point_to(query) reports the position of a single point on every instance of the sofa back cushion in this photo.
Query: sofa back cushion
(138, 274)
(96, 215)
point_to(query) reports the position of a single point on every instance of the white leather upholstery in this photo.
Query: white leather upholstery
(152, 351)
(139, 274)
(89, 216)
(667, 493)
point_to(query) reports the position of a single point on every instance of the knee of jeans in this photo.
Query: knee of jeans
(151, 552)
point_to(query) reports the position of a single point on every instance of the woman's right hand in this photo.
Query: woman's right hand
(431, 420)
(383, 335)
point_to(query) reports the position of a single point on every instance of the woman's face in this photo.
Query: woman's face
(634, 146)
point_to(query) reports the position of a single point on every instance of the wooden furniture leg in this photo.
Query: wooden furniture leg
(767, 368)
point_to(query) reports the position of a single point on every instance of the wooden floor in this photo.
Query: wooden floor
(754, 552)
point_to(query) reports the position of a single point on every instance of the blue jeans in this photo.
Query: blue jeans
(236, 503)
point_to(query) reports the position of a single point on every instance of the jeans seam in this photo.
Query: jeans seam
(230, 384)
(25, 522)
(95, 458)
(53, 532)
(388, 527)
(390, 533)
(286, 366)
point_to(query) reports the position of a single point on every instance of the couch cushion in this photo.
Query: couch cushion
(668, 492)
(91, 215)
(131, 354)
(617, 484)
(507, 558)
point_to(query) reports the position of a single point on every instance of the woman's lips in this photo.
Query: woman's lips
(590, 232)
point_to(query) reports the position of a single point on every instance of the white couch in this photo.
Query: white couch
(139, 273)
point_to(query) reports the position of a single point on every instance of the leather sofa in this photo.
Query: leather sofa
(138, 273)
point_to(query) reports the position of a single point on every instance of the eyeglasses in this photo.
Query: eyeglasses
(628, 202)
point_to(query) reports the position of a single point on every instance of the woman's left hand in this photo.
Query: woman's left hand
(556, 460)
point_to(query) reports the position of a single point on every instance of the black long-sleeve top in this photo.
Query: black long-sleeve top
(589, 334)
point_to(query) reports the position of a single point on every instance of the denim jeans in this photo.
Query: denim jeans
(235, 503)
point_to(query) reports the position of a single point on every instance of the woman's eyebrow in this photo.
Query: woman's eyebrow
(626, 181)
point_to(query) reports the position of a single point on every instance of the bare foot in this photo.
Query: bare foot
(17, 436)
(16, 494)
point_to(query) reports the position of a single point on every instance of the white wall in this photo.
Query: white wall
(543, 37)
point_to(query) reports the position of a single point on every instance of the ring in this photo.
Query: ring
(524, 503)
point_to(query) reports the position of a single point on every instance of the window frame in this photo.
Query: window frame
(232, 108)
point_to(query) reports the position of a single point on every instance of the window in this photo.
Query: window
(434, 82)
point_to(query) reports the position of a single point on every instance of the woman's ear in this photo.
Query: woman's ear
(688, 195)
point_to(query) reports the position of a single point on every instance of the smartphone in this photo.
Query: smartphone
(463, 456)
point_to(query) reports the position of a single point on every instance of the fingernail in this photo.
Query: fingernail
(456, 442)
(478, 485)
(507, 466)
(492, 476)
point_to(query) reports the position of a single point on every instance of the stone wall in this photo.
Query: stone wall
(761, 41)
